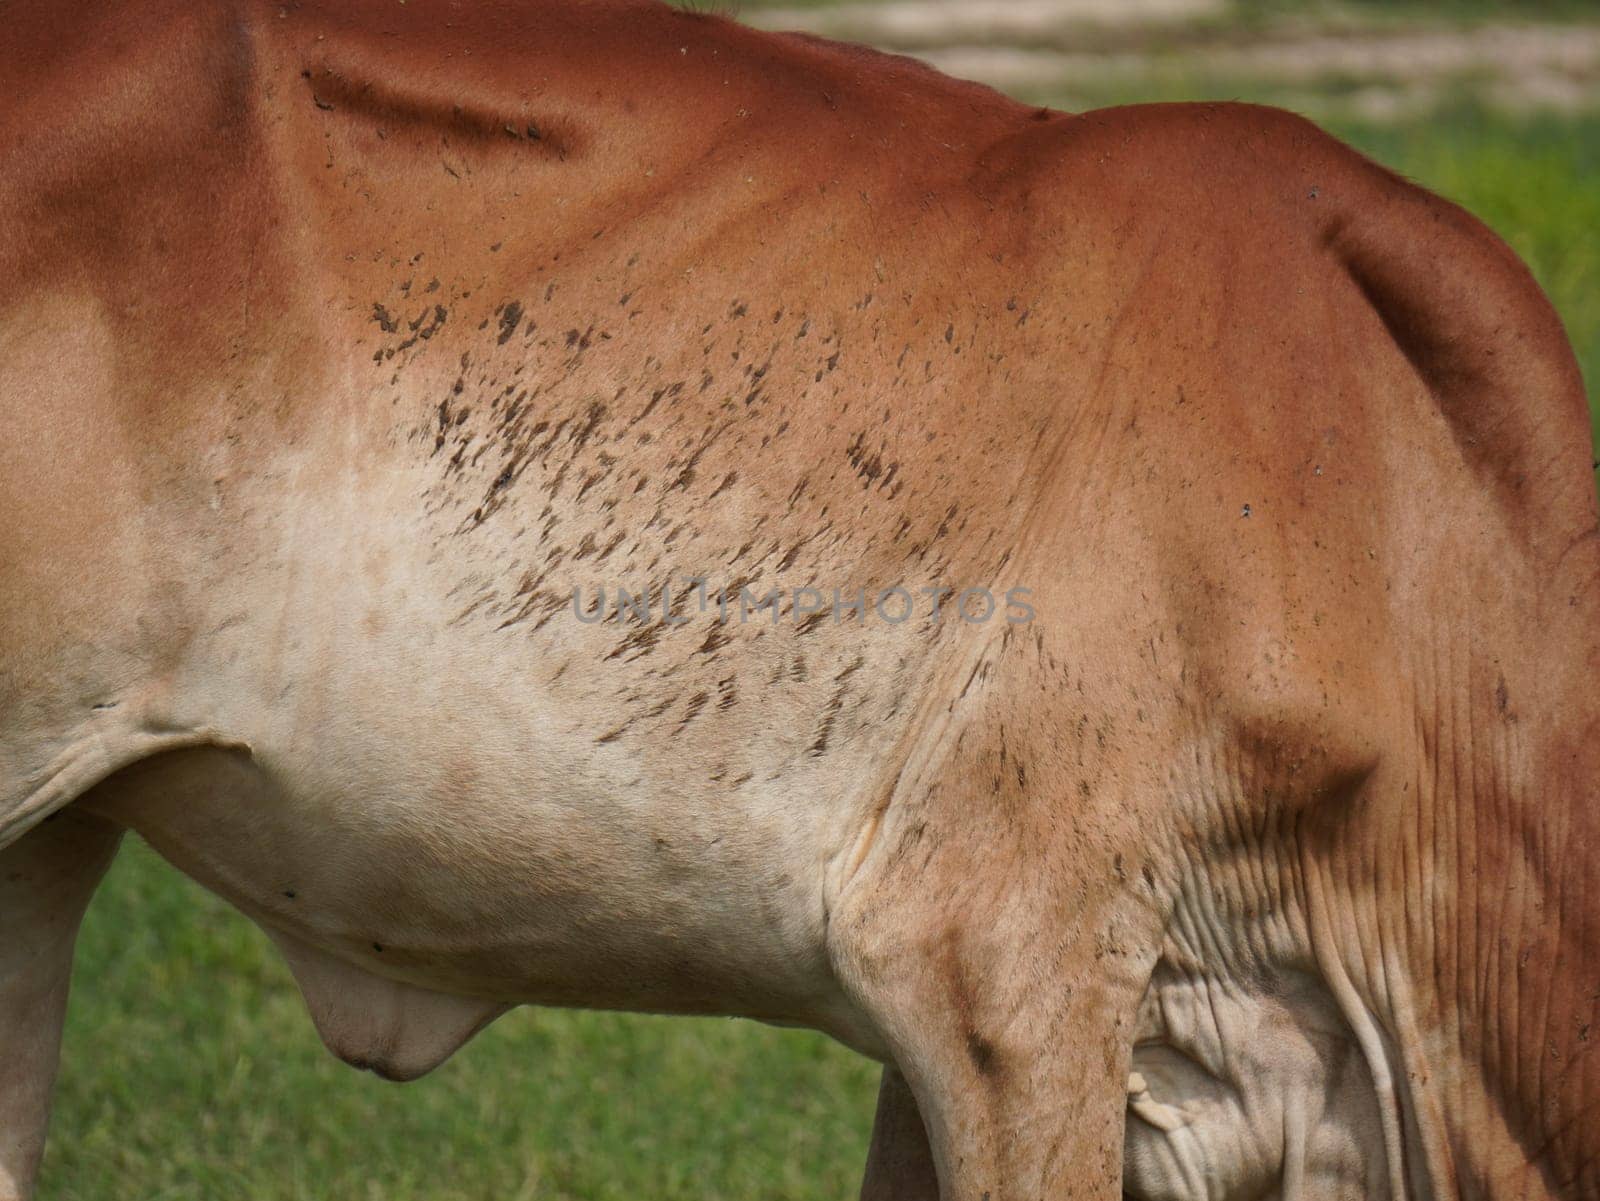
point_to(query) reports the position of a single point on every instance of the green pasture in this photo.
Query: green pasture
(192, 1073)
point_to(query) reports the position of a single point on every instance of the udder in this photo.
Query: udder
(398, 1030)
(328, 902)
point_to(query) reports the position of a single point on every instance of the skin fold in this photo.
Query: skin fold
(1252, 856)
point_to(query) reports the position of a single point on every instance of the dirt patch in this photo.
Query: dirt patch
(923, 22)
(1066, 50)
(1515, 65)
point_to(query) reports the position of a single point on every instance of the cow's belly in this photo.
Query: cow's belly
(412, 915)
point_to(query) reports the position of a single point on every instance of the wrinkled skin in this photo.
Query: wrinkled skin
(341, 342)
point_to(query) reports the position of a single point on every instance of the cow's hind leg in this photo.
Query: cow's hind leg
(1000, 935)
(1007, 994)
(899, 1162)
(46, 880)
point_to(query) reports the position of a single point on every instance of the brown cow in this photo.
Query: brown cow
(1228, 832)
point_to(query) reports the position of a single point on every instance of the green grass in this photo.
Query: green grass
(193, 1074)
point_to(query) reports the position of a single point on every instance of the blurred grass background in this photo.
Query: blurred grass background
(191, 1070)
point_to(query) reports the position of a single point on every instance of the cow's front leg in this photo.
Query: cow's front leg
(899, 1162)
(46, 880)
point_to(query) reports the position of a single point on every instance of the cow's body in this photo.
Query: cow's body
(341, 344)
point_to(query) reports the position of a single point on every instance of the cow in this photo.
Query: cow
(587, 504)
